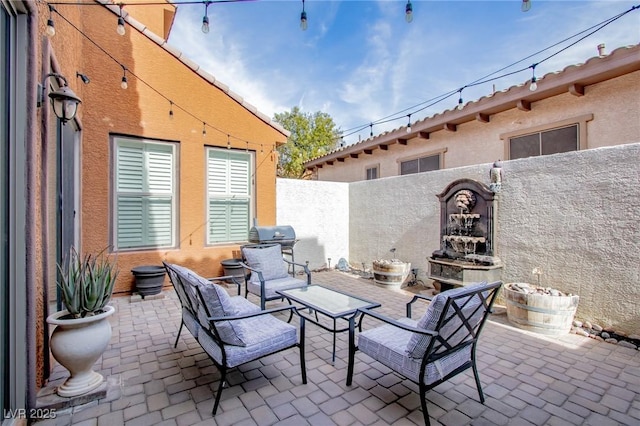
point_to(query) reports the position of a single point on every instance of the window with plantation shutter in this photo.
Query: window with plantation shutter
(228, 195)
(145, 194)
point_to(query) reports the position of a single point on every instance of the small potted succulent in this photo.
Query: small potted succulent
(82, 330)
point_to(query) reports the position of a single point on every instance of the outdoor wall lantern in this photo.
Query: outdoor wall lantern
(65, 102)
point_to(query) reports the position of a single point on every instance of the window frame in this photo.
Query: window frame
(580, 121)
(174, 195)
(440, 153)
(375, 167)
(250, 197)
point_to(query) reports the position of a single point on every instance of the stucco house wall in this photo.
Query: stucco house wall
(153, 69)
(140, 111)
(609, 111)
(572, 215)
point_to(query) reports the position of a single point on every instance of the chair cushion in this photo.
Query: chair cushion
(273, 285)
(267, 260)
(219, 304)
(418, 344)
(263, 335)
(387, 344)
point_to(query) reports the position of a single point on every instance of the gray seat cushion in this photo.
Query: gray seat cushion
(387, 344)
(418, 343)
(262, 335)
(267, 260)
(219, 304)
(273, 285)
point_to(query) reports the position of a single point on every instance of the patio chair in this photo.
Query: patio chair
(234, 331)
(178, 275)
(269, 272)
(435, 348)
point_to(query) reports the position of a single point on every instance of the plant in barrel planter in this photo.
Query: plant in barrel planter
(390, 272)
(82, 330)
(543, 310)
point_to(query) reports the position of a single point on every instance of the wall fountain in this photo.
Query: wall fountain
(467, 251)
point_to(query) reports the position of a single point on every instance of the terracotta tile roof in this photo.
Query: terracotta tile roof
(572, 79)
(115, 8)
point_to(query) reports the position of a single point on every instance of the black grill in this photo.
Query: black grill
(283, 235)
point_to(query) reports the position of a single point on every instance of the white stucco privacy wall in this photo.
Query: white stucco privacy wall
(573, 215)
(319, 214)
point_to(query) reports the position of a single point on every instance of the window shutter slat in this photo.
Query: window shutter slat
(229, 191)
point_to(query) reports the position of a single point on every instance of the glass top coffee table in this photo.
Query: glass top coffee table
(333, 304)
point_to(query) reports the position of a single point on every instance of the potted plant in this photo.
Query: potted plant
(82, 330)
(390, 272)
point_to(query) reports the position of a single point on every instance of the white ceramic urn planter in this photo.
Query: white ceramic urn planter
(77, 344)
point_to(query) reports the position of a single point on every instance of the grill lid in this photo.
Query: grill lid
(260, 234)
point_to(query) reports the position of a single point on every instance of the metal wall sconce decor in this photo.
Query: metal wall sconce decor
(65, 102)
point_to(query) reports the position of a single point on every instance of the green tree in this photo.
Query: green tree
(312, 135)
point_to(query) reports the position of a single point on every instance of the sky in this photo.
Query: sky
(362, 63)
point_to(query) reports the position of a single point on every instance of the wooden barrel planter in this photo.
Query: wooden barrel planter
(390, 273)
(540, 313)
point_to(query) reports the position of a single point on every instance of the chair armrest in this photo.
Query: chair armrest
(305, 267)
(396, 323)
(253, 314)
(260, 278)
(416, 298)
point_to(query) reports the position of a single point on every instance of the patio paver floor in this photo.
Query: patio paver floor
(528, 379)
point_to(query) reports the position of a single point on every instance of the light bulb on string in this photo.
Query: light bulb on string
(51, 28)
(408, 12)
(124, 83)
(120, 28)
(228, 142)
(204, 129)
(247, 148)
(534, 81)
(526, 5)
(303, 19)
(170, 109)
(460, 102)
(205, 18)
(409, 124)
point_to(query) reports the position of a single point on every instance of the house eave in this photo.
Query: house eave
(573, 79)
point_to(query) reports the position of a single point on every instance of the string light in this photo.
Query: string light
(526, 5)
(142, 81)
(120, 28)
(370, 130)
(205, 18)
(228, 142)
(593, 29)
(460, 104)
(534, 85)
(408, 12)
(124, 83)
(303, 19)
(409, 124)
(51, 28)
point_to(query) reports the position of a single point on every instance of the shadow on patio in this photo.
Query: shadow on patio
(527, 378)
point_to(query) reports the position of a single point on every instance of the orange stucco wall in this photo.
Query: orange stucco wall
(143, 111)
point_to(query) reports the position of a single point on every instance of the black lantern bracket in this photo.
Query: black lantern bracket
(65, 101)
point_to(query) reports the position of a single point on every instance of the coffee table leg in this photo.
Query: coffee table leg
(352, 352)
(333, 355)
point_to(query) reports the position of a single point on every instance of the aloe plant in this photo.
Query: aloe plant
(86, 282)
